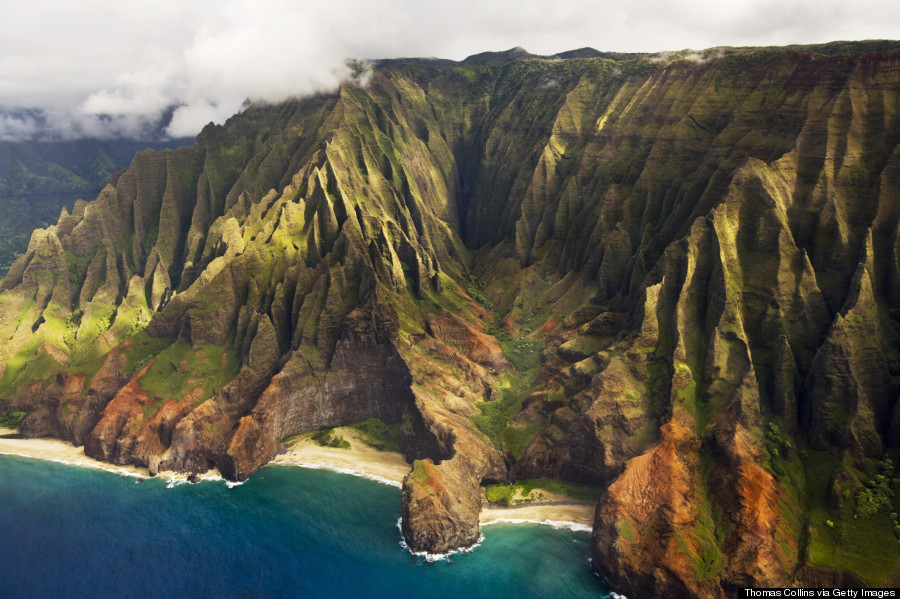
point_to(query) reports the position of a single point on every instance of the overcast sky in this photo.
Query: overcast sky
(131, 60)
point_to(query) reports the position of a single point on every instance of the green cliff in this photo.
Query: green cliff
(40, 178)
(673, 277)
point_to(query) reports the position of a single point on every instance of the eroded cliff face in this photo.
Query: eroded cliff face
(39, 178)
(675, 279)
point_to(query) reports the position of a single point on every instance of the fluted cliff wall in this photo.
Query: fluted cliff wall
(678, 278)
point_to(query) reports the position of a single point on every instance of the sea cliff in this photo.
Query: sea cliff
(675, 277)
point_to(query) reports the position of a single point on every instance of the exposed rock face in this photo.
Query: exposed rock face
(851, 372)
(69, 408)
(664, 278)
(436, 517)
(441, 495)
(367, 378)
(656, 494)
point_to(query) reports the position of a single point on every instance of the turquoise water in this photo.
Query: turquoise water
(287, 532)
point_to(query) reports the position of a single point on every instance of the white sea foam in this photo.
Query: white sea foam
(213, 478)
(171, 481)
(177, 481)
(435, 557)
(98, 466)
(341, 470)
(574, 526)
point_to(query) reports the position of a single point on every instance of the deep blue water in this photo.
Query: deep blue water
(287, 532)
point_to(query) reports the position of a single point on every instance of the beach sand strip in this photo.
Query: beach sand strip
(359, 460)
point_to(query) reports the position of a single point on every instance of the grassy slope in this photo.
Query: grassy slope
(535, 306)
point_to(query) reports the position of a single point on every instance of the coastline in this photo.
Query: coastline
(62, 452)
(391, 468)
(359, 460)
(573, 515)
(385, 467)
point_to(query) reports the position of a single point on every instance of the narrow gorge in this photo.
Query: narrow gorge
(675, 277)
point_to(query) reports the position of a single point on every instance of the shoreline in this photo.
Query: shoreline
(576, 516)
(360, 460)
(50, 449)
(384, 467)
(391, 468)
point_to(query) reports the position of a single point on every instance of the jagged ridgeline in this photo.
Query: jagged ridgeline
(38, 178)
(673, 277)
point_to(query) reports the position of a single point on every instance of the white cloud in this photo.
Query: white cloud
(114, 67)
(187, 120)
(17, 127)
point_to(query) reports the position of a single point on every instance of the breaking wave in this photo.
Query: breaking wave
(574, 526)
(435, 557)
(341, 470)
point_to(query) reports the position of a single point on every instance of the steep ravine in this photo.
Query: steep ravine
(676, 279)
(39, 178)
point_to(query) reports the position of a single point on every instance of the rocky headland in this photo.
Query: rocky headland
(673, 277)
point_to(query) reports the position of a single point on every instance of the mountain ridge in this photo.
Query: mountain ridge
(39, 178)
(674, 278)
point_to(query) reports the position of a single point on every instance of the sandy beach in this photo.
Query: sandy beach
(54, 450)
(391, 468)
(572, 514)
(359, 460)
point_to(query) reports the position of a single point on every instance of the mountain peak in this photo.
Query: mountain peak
(511, 55)
(546, 270)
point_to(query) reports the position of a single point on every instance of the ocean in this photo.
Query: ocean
(67, 531)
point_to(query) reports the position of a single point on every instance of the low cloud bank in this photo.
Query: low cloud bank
(102, 68)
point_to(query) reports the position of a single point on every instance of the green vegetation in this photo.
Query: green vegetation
(532, 490)
(777, 451)
(576, 491)
(378, 435)
(516, 439)
(142, 349)
(523, 354)
(625, 529)
(683, 546)
(30, 364)
(858, 545)
(325, 437)
(75, 265)
(180, 369)
(860, 537)
(500, 494)
(710, 561)
(419, 473)
(12, 419)
(878, 493)
(495, 415)
(475, 288)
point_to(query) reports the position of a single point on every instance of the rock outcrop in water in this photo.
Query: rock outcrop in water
(677, 279)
